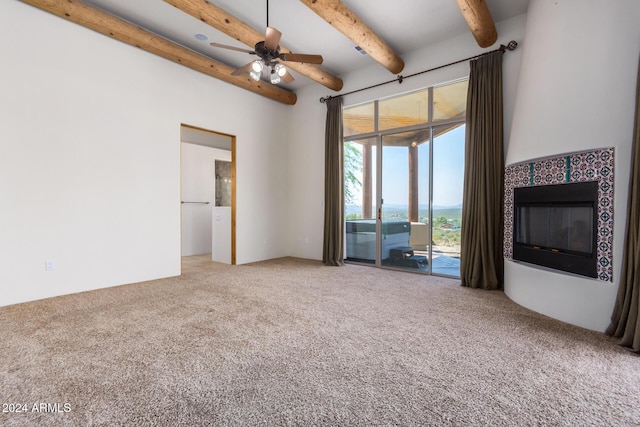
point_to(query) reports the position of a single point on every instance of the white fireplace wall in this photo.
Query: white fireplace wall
(576, 92)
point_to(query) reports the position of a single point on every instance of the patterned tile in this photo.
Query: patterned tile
(595, 165)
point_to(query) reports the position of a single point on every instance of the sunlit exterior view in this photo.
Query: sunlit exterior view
(404, 169)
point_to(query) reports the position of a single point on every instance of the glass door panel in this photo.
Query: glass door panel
(404, 240)
(448, 177)
(360, 159)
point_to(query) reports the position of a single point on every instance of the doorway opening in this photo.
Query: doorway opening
(208, 195)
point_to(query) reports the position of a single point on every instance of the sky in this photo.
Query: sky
(448, 172)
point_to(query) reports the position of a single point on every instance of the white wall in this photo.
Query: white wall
(306, 138)
(90, 158)
(221, 230)
(576, 92)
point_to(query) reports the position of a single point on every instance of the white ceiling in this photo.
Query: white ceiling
(405, 25)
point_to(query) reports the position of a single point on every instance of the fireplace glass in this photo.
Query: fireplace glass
(556, 226)
(563, 228)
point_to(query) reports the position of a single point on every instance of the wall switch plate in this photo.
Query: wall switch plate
(49, 265)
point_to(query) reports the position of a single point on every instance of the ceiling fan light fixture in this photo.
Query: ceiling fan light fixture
(257, 66)
(275, 78)
(280, 70)
(254, 75)
(268, 52)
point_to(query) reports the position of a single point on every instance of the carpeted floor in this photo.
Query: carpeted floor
(292, 342)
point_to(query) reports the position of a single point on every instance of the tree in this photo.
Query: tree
(352, 170)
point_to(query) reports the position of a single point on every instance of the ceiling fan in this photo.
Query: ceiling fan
(270, 56)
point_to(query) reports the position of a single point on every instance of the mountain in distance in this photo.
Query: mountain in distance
(438, 209)
(423, 207)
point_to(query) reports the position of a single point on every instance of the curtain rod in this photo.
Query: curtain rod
(510, 46)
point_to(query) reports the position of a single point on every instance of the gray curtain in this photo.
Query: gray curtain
(333, 249)
(481, 257)
(625, 322)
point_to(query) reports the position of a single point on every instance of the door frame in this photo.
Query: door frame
(232, 138)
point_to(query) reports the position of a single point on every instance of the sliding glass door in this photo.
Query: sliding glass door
(446, 201)
(360, 159)
(404, 168)
(405, 197)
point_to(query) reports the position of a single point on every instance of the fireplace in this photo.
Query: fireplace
(556, 226)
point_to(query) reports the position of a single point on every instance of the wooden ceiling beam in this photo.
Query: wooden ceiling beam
(109, 25)
(233, 27)
(348, 23)
(478, 17)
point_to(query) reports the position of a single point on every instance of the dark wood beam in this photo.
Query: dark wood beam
(480, 22)
(223, 21)
(348, 23)
(109, 25)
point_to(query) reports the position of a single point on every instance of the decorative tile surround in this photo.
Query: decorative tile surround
(595, 165)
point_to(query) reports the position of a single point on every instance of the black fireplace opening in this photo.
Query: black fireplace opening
(556, 226)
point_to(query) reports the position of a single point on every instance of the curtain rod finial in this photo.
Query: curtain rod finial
(510, 46)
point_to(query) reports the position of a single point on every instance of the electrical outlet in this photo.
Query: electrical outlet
(49, 265)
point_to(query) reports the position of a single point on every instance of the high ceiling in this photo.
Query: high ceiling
(405, 25)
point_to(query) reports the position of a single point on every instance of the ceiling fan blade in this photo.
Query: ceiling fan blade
(226, 46)
(299, 57)
(288, 77)
(272, 38)
(243, 70)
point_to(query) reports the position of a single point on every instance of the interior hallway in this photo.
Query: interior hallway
(199, 263)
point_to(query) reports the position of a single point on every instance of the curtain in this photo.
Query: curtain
(333, 249)
(481, 257)
(625, 322)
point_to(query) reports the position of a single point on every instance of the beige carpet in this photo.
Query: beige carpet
(292, 342)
